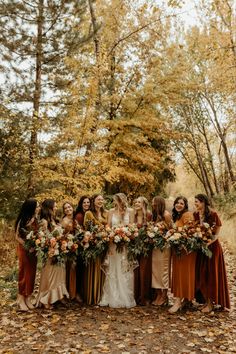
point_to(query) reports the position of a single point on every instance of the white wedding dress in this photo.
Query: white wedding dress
(118, 289)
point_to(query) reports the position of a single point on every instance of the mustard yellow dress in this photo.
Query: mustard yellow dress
(93, 274)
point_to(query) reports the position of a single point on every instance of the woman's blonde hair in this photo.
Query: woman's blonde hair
(121, 200)
(144, 203)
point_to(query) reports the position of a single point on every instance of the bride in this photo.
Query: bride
(118, 289)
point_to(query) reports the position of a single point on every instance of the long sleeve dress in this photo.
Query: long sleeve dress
(183, 267)
(211, 278)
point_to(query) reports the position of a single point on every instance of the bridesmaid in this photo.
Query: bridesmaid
(26, 222)
(142, 274)
(68, 224)
(83, 206)
(160, 259)
(183, 267)
(94, 276)
(52, 286)
(211, 279)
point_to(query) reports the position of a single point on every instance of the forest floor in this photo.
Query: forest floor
(84, 329)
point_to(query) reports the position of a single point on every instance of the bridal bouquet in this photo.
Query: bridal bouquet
(122, 235)
(94, 242)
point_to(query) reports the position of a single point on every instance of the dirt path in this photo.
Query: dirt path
(80, 329)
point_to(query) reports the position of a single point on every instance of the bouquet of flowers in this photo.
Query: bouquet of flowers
(199, 235)
(159, 230)
(122, 235)
(94, 242)
(30, 241)
(52, 245)
(189, 238)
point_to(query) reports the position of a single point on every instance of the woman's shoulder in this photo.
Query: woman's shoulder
(188, 214)
(214, 216)
(167, 214)
(88, 214)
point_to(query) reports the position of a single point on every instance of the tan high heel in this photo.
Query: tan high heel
(176, 307)
(208, 308)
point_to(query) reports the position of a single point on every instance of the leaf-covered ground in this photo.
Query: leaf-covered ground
(83, 329)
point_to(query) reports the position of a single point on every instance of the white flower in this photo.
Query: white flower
(56, 252)
(70, 244)
(29, 236)
(117, 239)
(151, 234)
(70, 237)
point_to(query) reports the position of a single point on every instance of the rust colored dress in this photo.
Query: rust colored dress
(93, 274)
(211, 278)
(27, 264)
(143, 277)
(183, 268)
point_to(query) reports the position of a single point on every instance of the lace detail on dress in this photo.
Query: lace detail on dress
(118, 290)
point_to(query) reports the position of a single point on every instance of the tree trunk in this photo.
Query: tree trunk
(222, 139)
(33, 148)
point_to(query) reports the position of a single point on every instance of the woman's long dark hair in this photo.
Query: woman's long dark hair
(175, 214)
(204, 199)
(26, 213)
(79, 208)
(158, 209)
(92, 206)
(47, 211)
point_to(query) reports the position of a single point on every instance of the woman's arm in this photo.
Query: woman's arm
(168, 219)
(131, 216)
(17, 237)
(110, 213)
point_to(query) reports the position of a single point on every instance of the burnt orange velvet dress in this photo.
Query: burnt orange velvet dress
(183, 267)
(211, 278)
(143, 277)
(27, 264)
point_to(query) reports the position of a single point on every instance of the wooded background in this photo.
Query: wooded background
(111, 95)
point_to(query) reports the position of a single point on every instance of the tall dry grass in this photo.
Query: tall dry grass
(228, 232)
